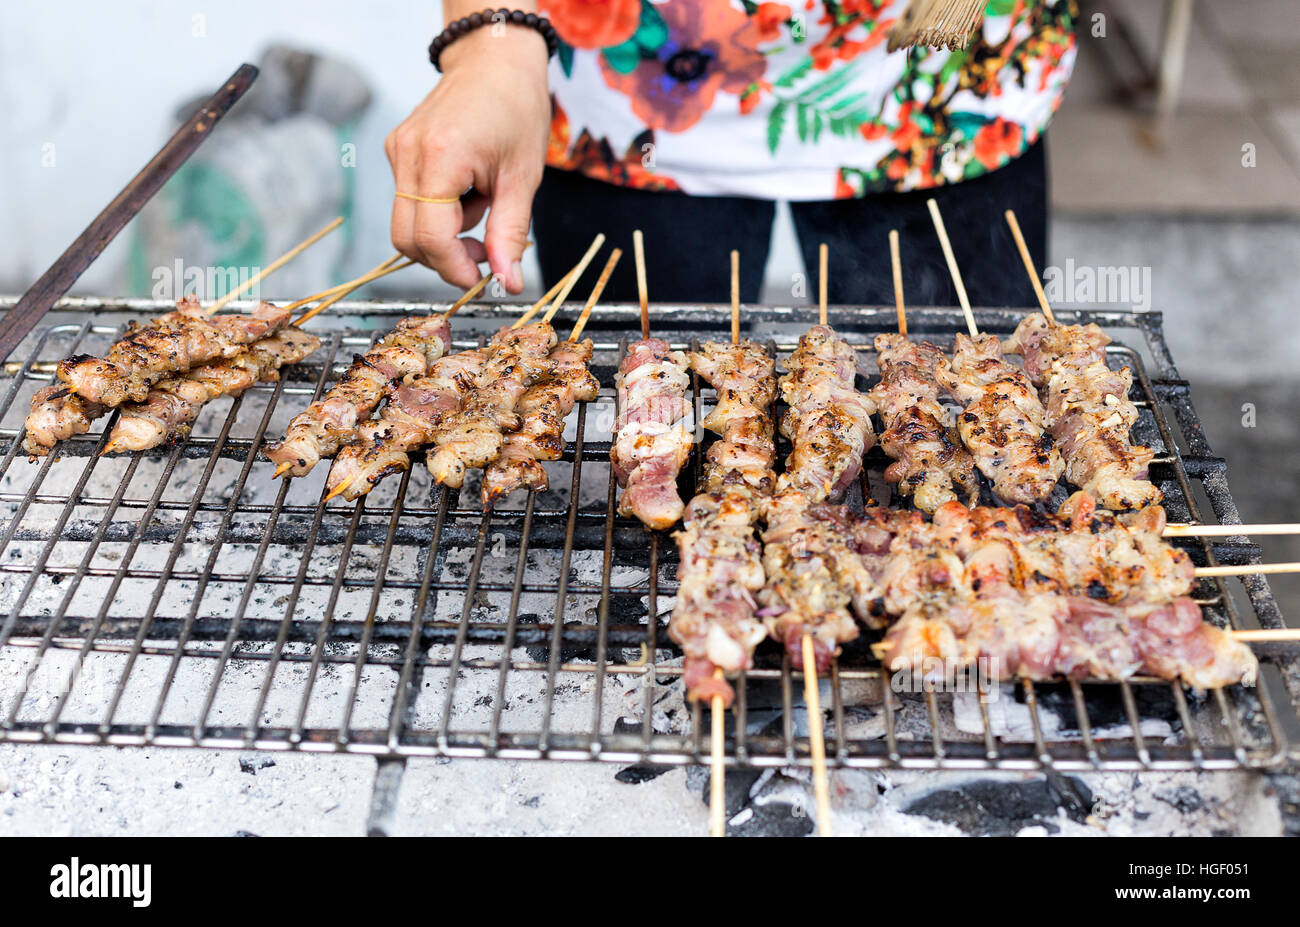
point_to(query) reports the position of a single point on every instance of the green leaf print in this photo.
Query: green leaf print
(790, 77)
(775, 125)
(623, 58)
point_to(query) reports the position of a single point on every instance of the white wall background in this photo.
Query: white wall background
(100, 80)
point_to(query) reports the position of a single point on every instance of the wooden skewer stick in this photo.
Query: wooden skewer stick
(339, 489)
(717, 778)
(560, 291)
(1248, 569)
(816, 739)
(339, 287)
(600, 284)
(735, 297)
(468, 295)
(578, 271)
(822, 260)
(1029, 267)
(361, 281)
(952, 267)
(896, 262)
(595, 295)
(274, 266)
(642, 291)
(1267, 635)
(546, 298)
(1224, 531)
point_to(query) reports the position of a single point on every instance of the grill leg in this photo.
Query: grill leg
(383, 800)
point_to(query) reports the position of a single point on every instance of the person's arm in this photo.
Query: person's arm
(485, 123)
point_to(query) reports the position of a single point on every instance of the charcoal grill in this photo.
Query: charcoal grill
(181, 597)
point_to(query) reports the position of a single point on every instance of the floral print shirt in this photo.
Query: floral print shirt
(797, 102)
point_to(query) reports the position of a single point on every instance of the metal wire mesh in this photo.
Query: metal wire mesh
(182, 597)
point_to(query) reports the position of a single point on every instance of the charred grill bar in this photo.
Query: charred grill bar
(412, 623)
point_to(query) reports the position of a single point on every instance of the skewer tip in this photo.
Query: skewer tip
(338, 490)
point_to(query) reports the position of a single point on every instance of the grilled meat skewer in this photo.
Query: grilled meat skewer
(1082, 594)
(542, 410)
(1088, 410)
(471, 437)
(172, 405)
(828, 421)
(930, 463)
(331, 421)
(813, 573)
(57, 413)
(172, 343)
(1003, 422)
(651, 441)
(721, 567)
(810, 571)
(406, 423)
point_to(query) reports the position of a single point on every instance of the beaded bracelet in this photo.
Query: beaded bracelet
(467, 24)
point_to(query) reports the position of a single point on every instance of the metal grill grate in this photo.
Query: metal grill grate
(181, 597)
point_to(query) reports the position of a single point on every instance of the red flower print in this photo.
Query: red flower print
(558, 144)
(905, 136)
(710, 47)
(872, 131)
(998, 142)
(770, 17)
(593, 23)
(752, 96)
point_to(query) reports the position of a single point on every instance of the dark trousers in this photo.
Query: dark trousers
(688, 239)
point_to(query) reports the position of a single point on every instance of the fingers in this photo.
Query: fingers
(428, 232)
(472, 208)
(507, 228)
(405, 177)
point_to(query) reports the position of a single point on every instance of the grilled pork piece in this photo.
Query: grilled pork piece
(812, 575)
(744, 378)
(1081, 594)
(721, 567)
(406, 423)
(472, 436)
(1003, 422)
(57, 414)
(173, 404)
(829, 421)
(930, 464)
(331, 421)
(651, 442)
(1088, 410)
(171, 344)
(543, 409)
(720, 571)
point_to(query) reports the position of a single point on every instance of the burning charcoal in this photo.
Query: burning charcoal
(986, 807)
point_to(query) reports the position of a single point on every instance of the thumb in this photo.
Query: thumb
(506, 235)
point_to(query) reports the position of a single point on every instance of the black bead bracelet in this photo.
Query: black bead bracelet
(467, 24)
